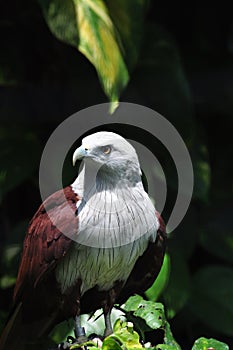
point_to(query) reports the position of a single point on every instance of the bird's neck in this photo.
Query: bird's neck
(108, 206)
(93, 180)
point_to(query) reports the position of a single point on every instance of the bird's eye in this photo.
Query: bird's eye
(106, 149)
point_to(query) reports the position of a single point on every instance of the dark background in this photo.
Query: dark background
(185, 72)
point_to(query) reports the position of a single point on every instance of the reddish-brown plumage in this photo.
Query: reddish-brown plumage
(42, 303)
(44, 244)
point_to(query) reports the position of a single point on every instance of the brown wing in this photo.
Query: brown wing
(147, 266)
(38, 306)
(45, 244)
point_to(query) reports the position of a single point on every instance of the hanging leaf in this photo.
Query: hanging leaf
(107, 33)
(128, 17)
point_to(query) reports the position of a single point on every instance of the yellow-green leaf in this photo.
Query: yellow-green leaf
(97, 41)
(87, 25)
(128, 18)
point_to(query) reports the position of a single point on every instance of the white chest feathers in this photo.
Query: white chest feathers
(114, 229)
(108, 219)
(101, 267)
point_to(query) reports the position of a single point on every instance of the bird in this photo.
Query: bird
(90, 245)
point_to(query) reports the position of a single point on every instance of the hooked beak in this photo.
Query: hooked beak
(80, 153)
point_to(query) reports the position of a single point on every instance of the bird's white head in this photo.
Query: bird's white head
(109, 151)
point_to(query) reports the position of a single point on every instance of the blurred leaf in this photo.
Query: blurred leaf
(206, 344)
(161, 281)
(61, 19)
(19, 157)
(61, 331)
(217, 237)
(10, 256)
(178, 289)
(89, 26)
(161, 70)
(202, 169)
(202, 173)
(184, 239)
(160, 78)
(212, 295)
(7, 281)
(9, 265)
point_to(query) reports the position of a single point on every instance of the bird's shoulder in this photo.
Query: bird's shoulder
(45, 242)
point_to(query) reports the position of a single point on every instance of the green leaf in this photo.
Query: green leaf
(212, 295)
(111, 343)
(128, 18)
(132, 303)
(123, 337)
(7, 281)
(98, 42)
(152, 313)
(107, 33)
(161, 281)
(169, 339)
(165, 347)
(206, 344)
(178, 289)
